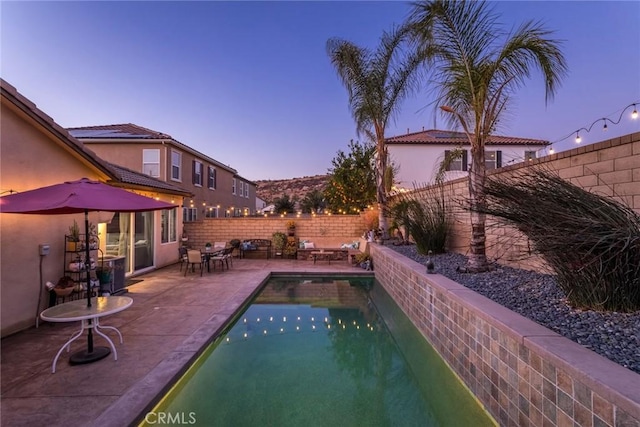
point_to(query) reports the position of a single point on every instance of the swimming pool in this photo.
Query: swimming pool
(320, 351)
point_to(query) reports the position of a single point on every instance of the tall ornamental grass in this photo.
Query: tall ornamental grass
(591, 242)
(423, 214)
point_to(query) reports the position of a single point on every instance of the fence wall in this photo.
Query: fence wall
(610, 168)
(213, 230)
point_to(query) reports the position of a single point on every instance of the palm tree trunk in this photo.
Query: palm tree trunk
(381, 196)
(477, 175)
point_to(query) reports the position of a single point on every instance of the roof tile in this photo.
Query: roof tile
(439, 137)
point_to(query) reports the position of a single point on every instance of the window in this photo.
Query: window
(529, 155)
(459, 163)
(211, 212)
(197, 173)
(492, 159)
(176, 166)
(211, 181)
(246, 190)
(233, 186)
(151, 162)
(189, 214)
(168, 225)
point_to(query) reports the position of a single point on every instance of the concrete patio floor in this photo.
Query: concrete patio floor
(171, 319)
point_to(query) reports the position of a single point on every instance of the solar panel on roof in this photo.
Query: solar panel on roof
(445, 134)
(104, 133)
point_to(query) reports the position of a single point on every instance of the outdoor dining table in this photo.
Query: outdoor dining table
(89, 318)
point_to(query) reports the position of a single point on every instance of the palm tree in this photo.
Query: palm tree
(377, 82)
(476, 68)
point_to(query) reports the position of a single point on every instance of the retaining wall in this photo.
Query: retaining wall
(523, 373)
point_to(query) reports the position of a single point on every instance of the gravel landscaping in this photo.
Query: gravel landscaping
(538, 297)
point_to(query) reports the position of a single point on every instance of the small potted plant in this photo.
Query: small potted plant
(279, 239)
(291, 227)
(73, 237)
(207, 246)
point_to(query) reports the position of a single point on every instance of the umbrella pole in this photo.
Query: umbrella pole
(91, 354)
(87, 259)
(87, 267)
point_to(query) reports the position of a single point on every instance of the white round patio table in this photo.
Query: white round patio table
(89, 318)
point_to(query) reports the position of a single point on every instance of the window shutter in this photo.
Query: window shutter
(465, 164)
(193, 172)
(215, 179)
(498, 159)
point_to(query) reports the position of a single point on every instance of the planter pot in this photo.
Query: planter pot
(72, 246)
(63, 292)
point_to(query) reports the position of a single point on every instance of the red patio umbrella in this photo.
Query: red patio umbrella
(80, 196)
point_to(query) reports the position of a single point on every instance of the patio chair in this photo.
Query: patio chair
(222, 257)
(194, 257)
(182, 256)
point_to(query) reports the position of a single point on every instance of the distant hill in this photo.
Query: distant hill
(269, 190)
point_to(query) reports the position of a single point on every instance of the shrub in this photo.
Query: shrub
(591, 242)
(424, 216)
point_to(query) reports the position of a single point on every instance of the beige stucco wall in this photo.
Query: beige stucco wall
(29, 158)
(129, 155)
(418, 163)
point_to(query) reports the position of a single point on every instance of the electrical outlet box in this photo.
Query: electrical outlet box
(44, 249)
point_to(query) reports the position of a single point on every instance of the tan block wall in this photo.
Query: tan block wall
(347, 227)
(610, 168)
(523, 373)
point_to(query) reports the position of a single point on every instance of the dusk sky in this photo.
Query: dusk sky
(250, 83)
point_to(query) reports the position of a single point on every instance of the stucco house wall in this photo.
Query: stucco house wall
(418, 155)
(30, 158)
(112, 143)
(418, 164)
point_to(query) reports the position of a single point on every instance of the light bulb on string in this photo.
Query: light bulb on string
(551, 150)
(634, 113)
(604, 128)
(578, 139)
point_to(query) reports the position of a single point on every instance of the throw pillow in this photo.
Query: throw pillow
(309, 245)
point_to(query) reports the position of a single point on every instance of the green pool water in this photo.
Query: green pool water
(320, 351)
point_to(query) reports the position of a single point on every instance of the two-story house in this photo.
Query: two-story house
(218, 189)
(418, 155)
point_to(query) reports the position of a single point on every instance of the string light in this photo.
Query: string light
(578, 139)
(634, 115)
